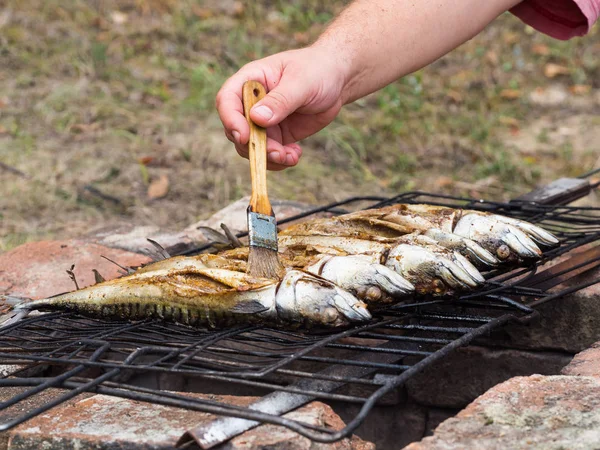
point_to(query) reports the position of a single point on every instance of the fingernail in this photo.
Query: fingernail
(236, 136)
(289, 160)
(263, 111)
(275, 157)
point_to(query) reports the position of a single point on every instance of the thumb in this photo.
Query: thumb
(289, 95)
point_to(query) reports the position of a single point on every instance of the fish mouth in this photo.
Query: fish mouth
(353, 309)
(480, 254)
(537, 234)
(391, 282)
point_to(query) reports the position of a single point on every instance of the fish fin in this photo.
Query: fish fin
(18, 310)
(161, 250)
(98, 277)
(249, 307)
(214, 236)
(128, 270)
(233, 239)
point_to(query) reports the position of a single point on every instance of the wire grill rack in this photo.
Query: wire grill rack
(358, 365)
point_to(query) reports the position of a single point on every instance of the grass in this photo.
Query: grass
(114, 94)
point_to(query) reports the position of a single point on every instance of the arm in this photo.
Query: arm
(372, 43)
(381, 41)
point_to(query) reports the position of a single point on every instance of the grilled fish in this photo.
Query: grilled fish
(197, 296)
(485, 239)
(335, 269)
(429, 267)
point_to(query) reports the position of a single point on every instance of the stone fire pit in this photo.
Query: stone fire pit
(523, 389)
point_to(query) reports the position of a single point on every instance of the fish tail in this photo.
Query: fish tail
(18, 310)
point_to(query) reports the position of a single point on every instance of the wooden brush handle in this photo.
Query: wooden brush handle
(252, 92)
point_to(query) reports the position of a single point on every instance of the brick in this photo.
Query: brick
(586, 363)
(534, 413)
(10, 413)
(388, 427)
(37, 269)
(457, 380)
(558, 319)
(435, 416)
(102, 422)
(135, 239)
(235, 215)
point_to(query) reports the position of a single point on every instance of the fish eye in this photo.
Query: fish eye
(373, 293)
(503, 251)
(330, 314)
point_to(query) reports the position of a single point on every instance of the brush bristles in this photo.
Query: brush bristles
(264, 263)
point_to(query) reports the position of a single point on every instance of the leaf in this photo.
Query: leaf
(301, 38)
(202, 13)
(540, 49)
(145, 160)
(551, 70)
(580, 89)
(443, 182)
(510, 94)
(80, 128)
(510, 37)
(492, 57)
(454, 95)
(509, 121)
(158, 188)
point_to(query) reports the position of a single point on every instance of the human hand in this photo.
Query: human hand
(304, 94)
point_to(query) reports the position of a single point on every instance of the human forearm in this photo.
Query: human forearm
(378, 41)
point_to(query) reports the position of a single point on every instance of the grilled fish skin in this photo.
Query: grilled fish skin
(484, 238)
(362, 275)
(417, 259)
(213, 297)
(372, 282)
(335, 269)
(431, 268)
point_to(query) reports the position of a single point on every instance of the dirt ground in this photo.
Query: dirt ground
(107, 116)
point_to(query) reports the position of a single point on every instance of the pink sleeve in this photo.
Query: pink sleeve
(561, 19)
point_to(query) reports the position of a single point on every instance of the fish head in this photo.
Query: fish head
(308, 298)
(433, 269)
(363, 276)
(504, 240)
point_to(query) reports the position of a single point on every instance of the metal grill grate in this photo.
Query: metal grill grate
(80, 354)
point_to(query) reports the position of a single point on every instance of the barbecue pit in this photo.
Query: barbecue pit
(360, 367)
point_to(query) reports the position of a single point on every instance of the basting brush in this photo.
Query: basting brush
(263, 259)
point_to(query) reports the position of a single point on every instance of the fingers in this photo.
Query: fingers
(290, 94)
(279, 156)
(230, 107)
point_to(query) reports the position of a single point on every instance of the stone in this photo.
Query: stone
(38, 269)
(533, 413)
(553, 330)
(135, 239)
(28, 404)
(103, 422)
(435, 416)
(586, 363)
(458, 379)
(388, 427)
(234, 216)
